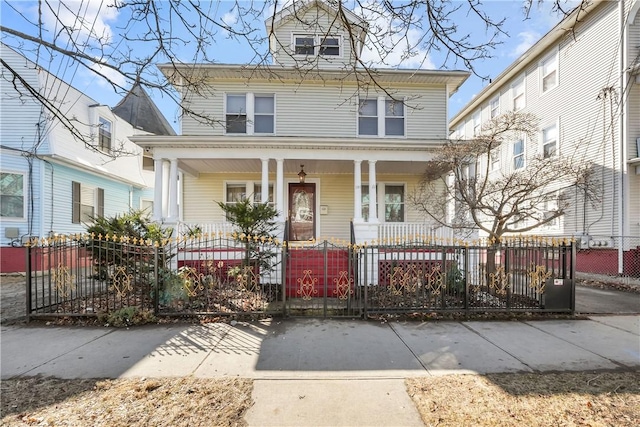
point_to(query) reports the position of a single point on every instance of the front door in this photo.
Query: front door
(302, 211)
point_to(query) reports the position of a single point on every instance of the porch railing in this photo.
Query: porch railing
(412, 231)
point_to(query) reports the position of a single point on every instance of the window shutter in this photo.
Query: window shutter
(75, 197)
(100, 212)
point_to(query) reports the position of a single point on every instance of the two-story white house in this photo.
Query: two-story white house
(53, 179)
(582, 81)
(324, 141)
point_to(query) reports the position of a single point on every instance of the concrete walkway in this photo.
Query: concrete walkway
(303, 367)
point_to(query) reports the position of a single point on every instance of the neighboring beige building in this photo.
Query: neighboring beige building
(362, 147)
(583, 83)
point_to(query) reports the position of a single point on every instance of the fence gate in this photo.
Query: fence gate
(320, 281)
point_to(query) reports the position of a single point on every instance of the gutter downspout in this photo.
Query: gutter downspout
(622, 135)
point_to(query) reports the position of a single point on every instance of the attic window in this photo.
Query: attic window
(304, 45)
(104, 134)
(330, 46)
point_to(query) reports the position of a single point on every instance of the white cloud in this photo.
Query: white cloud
(110, 75)
(527, 39)
(87, 21)
(389, 42)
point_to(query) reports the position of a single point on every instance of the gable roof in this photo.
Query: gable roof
(141, 112)
(296, 8)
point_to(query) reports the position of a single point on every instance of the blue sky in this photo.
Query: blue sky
(521, 34)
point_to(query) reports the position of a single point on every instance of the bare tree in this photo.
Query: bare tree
(468, 189)
(74, 36)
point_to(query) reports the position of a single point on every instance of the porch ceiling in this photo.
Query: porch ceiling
(292, 166)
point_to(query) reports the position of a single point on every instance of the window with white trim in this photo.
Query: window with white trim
(494, 107)
(104, 134)
(87, 203)
(549, 141)
(317, 45)
(264, 114)
(12, 195)
(257, 193)
(146, 206)
(394, 202)
(394, 118)
(476, 123)
(518, 154)
(250, 114)
(368, 117)
(517, 94)
(494, 159)
(549, 72)
(236, 113)
(550, 208)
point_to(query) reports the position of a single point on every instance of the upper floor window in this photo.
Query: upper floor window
(12, 195)
(309, 44)
(476, 123)
(250, 114)
(236, 118)
(87, 203)
(494, 107)
(330, 46)
(368, 117)
(264, 114)
(104, 134)
(549, 141)
(394, 118)
(518, 154)
(549, 72)
(494, 159)
(517, 94)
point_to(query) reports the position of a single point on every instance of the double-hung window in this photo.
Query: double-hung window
(12, 192)
(517, 94)
(316, 45)
(394, 118)
(87, 203)
(549, 72)
(494, 159)
(257, 193)
(250, 114)
(394, 201)
(104, 134)
(494, 107)
(368, 117)
(549, 141)
(236, 118)
(264, 114)
(518, 154)
(476, 123)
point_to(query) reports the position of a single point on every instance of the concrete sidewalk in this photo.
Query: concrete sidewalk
(328, 362)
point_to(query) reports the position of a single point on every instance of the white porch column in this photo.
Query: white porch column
(265, 181)
(373, 193)
(173, 191)
(165, 189)
(280, 189)
(357, 191)
(157, 189)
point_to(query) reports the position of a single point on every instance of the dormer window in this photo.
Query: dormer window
(104, 134)
(312, 45)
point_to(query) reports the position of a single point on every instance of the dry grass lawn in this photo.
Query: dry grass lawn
(550, 399)
(125, 402)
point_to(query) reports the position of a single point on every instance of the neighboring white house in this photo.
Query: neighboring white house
(583, 83)
(360, 148)
(53, 181)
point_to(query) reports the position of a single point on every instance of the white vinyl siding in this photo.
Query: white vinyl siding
(323, 110)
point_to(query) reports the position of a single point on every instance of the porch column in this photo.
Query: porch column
(157, 189)
(165, 189)
(373, 193)
(357, 193)
(265, 181)
(280, 189)
(173, 191)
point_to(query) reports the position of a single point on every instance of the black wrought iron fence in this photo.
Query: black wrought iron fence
(239, 275)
